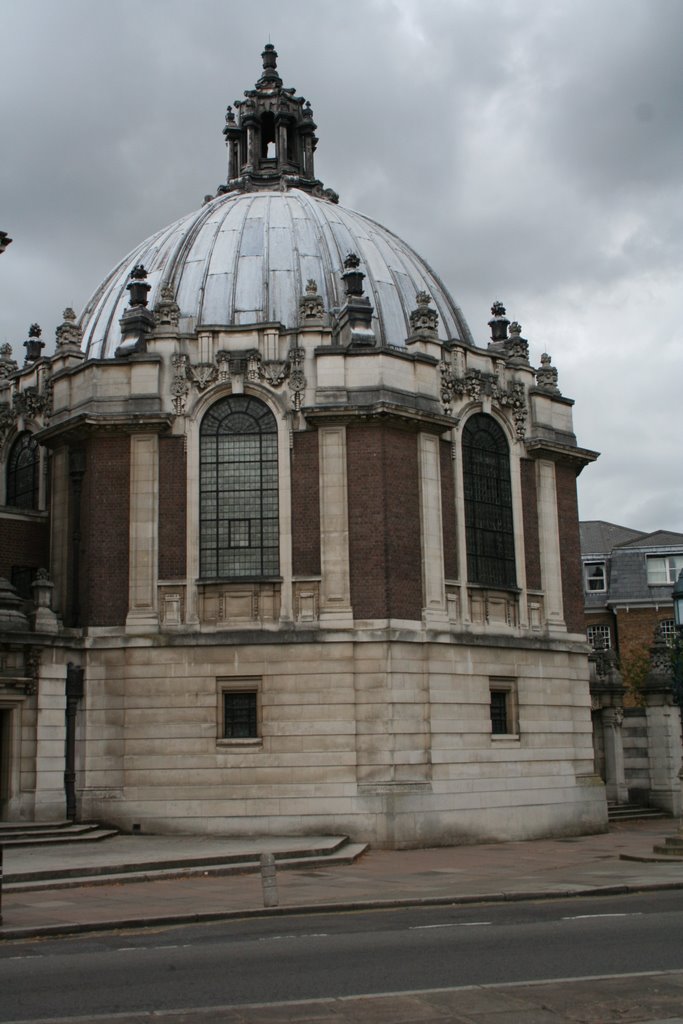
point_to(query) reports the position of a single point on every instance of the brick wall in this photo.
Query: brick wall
(305, 504)
(532, 549)
(450, 537)
(636, 627)
(570, 548)
(384, 522)
(24, 542)
(172, 508)
(105, 502)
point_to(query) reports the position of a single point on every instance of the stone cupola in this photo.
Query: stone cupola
(271, 141)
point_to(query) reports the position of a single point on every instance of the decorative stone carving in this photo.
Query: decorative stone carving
(228, 366)
(475, 384)
(30, 403)
(498, 323)
(546, 376)
(34, 346)
(311, 310)
(273, 372)
(201, 374)
(423, 319)
(661, 663)
(167, 310)
(179, 384)
(297, 380)
(69, 334)
(516, 347)
(7, 421)
(7, 364)
(44, 620)
(12, 618)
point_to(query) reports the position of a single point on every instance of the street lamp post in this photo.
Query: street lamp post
(677, 673)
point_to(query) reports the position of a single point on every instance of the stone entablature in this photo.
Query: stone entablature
(310, 381)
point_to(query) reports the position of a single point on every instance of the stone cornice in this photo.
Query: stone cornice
(77, 428)
(542, 448)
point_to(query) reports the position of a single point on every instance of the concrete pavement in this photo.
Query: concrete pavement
(537, 869)
(506, 871)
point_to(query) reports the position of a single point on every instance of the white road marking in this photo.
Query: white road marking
(454, 924)
(588, 917)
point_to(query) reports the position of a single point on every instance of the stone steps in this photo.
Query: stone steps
(53, 833)
(633, 812)
(322, 852)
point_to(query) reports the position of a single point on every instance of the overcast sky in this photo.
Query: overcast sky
(530, 150)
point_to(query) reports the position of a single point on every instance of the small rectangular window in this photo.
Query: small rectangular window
(594, 576)
(599, 637)
(240, 718)
(668, 630)
(503, 707)
(239, 711)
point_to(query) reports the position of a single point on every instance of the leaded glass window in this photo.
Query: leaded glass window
(239, 532)
(488, 503)
(23, 472)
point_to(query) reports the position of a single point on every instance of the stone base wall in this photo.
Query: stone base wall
(388, 742)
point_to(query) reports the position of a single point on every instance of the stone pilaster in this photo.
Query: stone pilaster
(434, 613)
(548, 529)
(335, 586)
(143, 615)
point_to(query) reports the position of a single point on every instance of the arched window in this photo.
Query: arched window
(238, 489)
(23, 472)
(488, 503)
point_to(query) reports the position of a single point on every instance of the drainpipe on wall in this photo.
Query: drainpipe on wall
(74, 693)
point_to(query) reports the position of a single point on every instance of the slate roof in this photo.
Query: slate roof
(599, 536)
(625, 554)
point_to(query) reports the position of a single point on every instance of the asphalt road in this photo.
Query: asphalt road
(303, 957)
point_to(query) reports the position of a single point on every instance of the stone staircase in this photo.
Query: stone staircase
(632, 812)
(42, 859)
(51, 833)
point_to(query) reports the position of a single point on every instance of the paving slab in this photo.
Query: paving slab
(493, 871)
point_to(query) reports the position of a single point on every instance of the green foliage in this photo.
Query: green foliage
(634, 667)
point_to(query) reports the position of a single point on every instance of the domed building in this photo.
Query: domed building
(296, 554)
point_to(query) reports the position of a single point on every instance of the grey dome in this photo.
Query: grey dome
(245, 258)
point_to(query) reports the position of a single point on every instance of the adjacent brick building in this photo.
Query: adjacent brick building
(628, 576)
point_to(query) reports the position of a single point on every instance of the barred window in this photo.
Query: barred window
(240, 714)
(599, 637)
(503, 707)
(23, 472)
(488, 503)
(239, 531)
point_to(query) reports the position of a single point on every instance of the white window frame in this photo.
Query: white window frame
(668, 631)
(663, 570)
(602, 630)
(588, 569)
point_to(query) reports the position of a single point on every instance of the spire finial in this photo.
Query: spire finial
(270, 75)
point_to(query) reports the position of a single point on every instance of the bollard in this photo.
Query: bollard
(269, 880)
